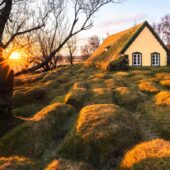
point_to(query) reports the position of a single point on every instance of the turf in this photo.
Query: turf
(78, 117)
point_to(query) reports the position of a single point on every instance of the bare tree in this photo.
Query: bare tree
(71, 46)
(163, 28)
(15, 20)
(90, 47)
(93, 43)
(84, 9)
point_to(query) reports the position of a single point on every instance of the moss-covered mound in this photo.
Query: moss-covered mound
(163, 76)
(31, 95)
(165, 83)
(102, 133)
(127, 97)
(77, 97)
(30, 78)
(152, 155)
(16, 163)
(148, 87)
(33, 137)
(63, 164)
(163, 98)
(101, 96)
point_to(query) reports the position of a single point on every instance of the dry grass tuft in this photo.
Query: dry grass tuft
(138, 72)
(146, 156)
(16, 163)
(148, 87)
(102, 131)
(80, 85)
(122, 74)
(163, 76)
(162, 98)
(165, 83)
(101, 96)
(63, 164)
(100, 76)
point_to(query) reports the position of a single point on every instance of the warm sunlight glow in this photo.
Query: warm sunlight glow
(15, 56)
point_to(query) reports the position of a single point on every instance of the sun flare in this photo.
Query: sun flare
(15, 56)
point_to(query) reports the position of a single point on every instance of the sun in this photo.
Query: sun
(15, 56)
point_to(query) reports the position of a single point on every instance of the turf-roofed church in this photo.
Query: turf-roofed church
(140, 44)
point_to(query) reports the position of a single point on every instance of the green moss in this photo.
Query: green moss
(32, 138)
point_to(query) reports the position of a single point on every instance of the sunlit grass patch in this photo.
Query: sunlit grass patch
(122, 73)
(165, 83)
(148, 87)
(63, 164)
(100, 76)
(27, 79)
(77, 97)
(17, 163)
(153, 155)
(101, 96)
(163, 76)
(162, 98)
(31, 138)
(101, 134)
(80, 84)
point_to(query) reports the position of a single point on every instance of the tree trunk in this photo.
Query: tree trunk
(6, 88)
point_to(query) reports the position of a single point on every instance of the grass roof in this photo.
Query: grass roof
(112, 46)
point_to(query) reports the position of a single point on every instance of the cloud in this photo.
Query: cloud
(122, 20)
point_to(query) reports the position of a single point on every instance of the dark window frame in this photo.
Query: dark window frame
(136, 53)
(159, 56)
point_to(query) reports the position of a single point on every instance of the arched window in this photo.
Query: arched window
(155, 59)
(137, 59)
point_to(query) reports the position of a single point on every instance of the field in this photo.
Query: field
(80, 118)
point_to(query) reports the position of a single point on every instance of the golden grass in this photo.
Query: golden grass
(16, 163)
(165, 83)
(80, 85)
(148, 87)
(100, 96)
(63, 164)
(76, 97)
(138, 72)
(163, 76)
(157, 148)
(122, 73)
(100, 76)
(162, 98)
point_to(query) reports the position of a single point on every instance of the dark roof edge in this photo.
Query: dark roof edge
(145, 24)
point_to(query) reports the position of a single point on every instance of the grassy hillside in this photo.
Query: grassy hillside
(83, 118)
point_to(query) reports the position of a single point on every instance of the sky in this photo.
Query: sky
(113, 18)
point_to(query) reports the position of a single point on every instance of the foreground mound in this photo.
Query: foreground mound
(16, 163)
(102, 133)
(148, 87)
(152, 155)
(76, 97)
(32, 138)
(163, 98)
(62, 164)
